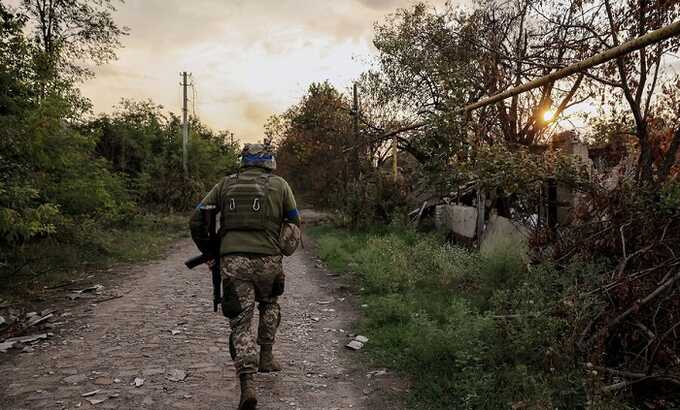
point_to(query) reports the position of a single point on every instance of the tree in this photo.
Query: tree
(432, 63)
(70, 35)
(312, 137)
(633, 78)
(514, 42)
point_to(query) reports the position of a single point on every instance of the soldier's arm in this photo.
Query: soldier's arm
(290, 211)
(198, 225)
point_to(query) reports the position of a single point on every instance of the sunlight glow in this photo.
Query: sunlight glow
(549, 115)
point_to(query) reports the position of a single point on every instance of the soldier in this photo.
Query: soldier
(258, 225)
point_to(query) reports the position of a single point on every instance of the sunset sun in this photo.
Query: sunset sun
(548, 115)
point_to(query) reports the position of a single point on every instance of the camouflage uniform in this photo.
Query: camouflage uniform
(256, 211)
(250, 279)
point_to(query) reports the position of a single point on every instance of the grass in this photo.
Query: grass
(86, 249)
(464, 326)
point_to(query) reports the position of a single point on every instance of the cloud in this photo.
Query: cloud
(249, 59)
(382, 4)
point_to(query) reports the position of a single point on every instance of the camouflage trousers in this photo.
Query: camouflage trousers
(247, 280)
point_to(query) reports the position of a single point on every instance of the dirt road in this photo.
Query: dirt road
(163, 330)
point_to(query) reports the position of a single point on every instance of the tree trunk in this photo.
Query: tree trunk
(645, 160)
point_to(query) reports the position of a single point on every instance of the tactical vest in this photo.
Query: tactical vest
(245, 205)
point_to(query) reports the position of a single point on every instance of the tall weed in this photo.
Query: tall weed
(475, 331)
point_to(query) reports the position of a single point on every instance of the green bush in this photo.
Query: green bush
(75, 190)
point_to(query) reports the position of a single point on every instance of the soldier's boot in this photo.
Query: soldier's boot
(267, 361)
(248, 396)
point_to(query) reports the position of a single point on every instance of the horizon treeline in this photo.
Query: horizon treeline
(67, 175)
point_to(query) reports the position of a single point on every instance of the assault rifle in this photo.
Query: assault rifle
(212, 252)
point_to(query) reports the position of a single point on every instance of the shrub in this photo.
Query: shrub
(473, 331)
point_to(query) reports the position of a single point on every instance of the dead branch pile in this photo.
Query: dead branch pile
(632, 332)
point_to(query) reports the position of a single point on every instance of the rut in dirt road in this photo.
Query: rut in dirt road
(163, 331)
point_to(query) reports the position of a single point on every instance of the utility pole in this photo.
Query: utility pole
(355, 112)
(355, 122)
(394, 159)
(185, 125)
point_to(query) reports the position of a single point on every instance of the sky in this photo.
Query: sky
(249, 59)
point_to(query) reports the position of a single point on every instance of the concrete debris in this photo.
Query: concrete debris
(117, 380)
(31, 314)
(92, 393)
(357, 343)
(175, 332)
(28, 339)
(27, 349)
(187, 396)
(2, 321)
(463, 220)
(354, 345)
(361, 339)
(95, 288)
(324, 302)
(176, 375)
(5, 346)
(37, 319)
(97, 401)
(504, 235)
(376, 373)
(138, 382)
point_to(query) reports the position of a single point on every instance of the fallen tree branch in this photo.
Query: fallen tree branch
(620, 372)
(658, 344)
(623, 385)
(386, 136)
(634, 308)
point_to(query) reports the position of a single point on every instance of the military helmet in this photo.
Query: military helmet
(258, 155)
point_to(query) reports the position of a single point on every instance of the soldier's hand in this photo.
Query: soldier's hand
(211, 264)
